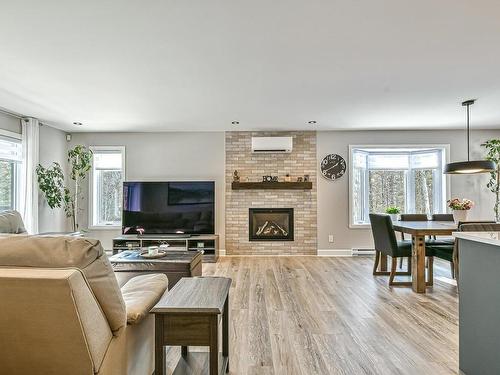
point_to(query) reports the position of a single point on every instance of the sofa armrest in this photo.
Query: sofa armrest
(141, 293)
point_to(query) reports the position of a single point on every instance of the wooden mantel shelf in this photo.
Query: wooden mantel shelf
(272, 185)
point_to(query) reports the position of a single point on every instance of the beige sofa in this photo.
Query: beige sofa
(62, 312)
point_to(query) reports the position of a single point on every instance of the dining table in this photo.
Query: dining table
(418, 231)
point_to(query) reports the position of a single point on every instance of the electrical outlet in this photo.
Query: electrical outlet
(330, 238)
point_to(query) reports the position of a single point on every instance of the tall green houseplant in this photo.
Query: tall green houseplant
(51, 182)
(493, 153)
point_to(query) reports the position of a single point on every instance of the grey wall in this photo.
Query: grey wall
(164, 156)
(333, 196)
(10, 123)
(53, 147)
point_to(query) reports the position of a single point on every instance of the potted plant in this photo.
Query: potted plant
(393, 211)
(460, 208)
(493, 147)
(51, 182)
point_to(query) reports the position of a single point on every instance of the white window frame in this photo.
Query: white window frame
(91, 186)
(9, 134)
(18, 170)
(445, 193)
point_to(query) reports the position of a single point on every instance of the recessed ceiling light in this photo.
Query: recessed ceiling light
(312, 122)
(77, 123)
(235, 122)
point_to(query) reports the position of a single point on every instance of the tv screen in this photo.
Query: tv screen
(168, 208)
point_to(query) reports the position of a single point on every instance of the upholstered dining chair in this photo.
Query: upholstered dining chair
(449, 251)
(414, 217)
(471, 227)
(387, 244)
(443, 217)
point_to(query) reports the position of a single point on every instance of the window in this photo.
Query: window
(108, 173)
(10, 172)
(408, 177)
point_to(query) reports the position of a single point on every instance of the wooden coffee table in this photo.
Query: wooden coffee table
(189, 314)
(175, 265)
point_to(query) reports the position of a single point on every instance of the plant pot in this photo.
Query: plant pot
(460, 215)
(394, 217)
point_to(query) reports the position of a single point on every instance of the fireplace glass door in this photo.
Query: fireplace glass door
(270, 224)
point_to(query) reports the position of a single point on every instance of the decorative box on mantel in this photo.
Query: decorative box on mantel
(272, 185)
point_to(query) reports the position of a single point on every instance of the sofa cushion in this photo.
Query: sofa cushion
(70, 252)
(141, 293)
(11, 222)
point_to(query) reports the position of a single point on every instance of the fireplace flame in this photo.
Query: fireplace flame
(270, 228)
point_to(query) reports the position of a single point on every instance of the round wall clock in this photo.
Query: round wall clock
(333, 166)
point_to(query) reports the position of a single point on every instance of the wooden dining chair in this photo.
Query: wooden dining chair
(386, 243)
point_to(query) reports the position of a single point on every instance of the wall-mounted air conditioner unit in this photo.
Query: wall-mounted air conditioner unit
(263, 145)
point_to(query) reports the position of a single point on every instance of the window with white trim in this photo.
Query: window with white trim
(107, 176)
(410, 178)
(11, 158)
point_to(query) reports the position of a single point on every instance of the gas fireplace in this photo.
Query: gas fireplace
(270, 224)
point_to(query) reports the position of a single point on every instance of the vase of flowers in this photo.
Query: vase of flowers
(393, 212)
(460, 208)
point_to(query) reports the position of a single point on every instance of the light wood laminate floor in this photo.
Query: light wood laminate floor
(320, 315)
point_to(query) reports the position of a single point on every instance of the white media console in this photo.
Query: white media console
(208, 243)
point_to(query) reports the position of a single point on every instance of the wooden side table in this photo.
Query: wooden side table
(189, 314)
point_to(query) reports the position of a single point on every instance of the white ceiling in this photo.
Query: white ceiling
(159, 65)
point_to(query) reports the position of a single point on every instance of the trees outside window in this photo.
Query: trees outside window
(6, 185)
(386, 188)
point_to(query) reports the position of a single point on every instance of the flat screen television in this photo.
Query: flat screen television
(168, 208)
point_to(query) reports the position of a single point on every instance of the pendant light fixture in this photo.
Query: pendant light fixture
(469, 166)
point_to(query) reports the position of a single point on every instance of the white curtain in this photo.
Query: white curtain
(29, 184)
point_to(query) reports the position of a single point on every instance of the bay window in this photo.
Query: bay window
(106, 185)
(10, 172)
(410, 178)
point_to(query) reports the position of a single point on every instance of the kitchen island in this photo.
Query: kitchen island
(479, 302)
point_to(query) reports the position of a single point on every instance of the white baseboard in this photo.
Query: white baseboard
(446, 280)
(363, 251)
(321, 253)
(334, 252)
(267, 255)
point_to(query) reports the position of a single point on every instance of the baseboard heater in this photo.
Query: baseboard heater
(359, 252)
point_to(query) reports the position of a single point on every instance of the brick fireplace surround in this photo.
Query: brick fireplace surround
(301, 161)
